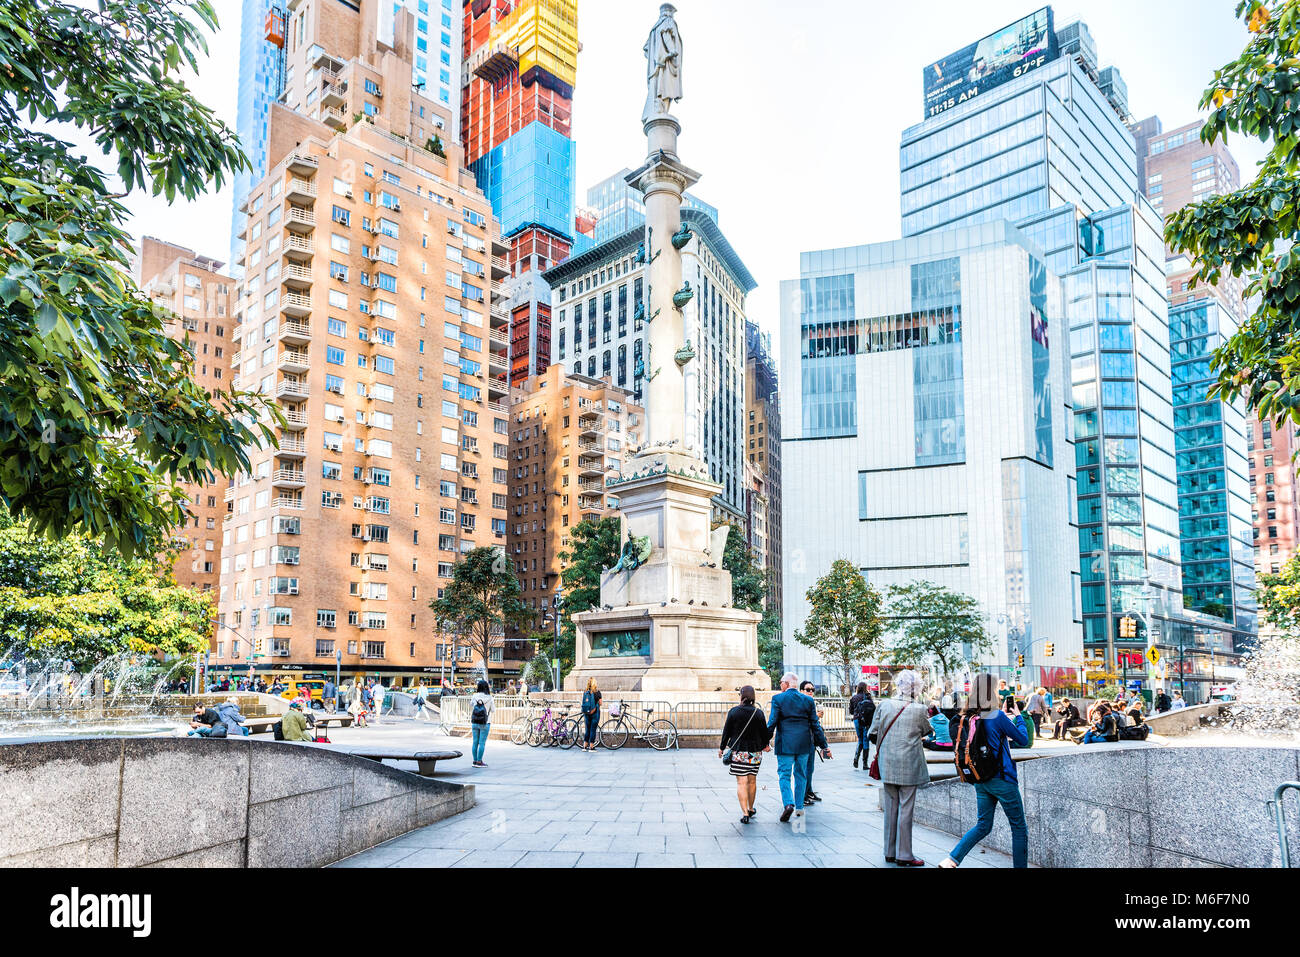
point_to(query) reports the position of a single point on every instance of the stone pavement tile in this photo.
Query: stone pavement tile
(697, 816)
(641, 843)
(615, 827)
(714, 828)
(672, 829)
(749, 842)
(555, 814)
(723, 860)
(642, 815)
(837, 860)
(664, 860)
(529, 842)
(694, 845)
(598, 816)
(431, 857)
(781, 860)
(376, 857)
(585, 843)
(549, 859)
(596, 859)
(567, 827)
(489, 859)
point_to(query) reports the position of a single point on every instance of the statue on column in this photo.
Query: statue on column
(663, 53)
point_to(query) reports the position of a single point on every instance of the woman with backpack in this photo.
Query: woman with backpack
(480, 721)
(984, 759)
(590, 714)
(862, 709)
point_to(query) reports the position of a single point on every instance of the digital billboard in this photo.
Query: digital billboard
(1010, 52)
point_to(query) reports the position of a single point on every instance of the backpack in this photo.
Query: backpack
(588, 702)
(865, 710)
(977, 760)
(479, 714)
(277, 729)
(1138, 733)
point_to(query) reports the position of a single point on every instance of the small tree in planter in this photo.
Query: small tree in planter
(434, 146)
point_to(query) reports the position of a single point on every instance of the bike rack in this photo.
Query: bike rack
(1279, 811)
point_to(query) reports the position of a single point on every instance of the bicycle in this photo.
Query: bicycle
(660, 734)
(552, 730)
(522, 727)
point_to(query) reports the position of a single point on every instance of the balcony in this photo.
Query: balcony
(334, 118)
(229, 494)
(589, 465)
(292, 447)
(592, 485)
(295, 420)
(291, 502)
(295, 276)
(590, 426)
(498, 365)
(335, 91)
(294, 333)
(288, 478)
(299, 219)
(236, 360)
(498, 340)
(294, 361)
(300, 190)
(291, 389)
(586, 500)
(497, 406)
(300, 163)
(498, 317)
(500, 267)
(295, 304)
(297, 249)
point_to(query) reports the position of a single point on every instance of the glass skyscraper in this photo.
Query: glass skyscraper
(259, 85)
(619, 207)
(1214, 498)
(1048, 149)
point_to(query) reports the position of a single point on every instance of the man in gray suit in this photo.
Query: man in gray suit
(793, 719)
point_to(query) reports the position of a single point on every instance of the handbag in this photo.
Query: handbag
(726, 755)
(874, 771)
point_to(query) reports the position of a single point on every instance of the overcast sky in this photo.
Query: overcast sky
(793, 108)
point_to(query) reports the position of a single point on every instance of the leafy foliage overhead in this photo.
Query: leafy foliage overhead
(1250, 232)
(99, 414)
(748, 584)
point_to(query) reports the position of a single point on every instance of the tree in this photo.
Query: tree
(481, 601)
(771, 648)
(748, 583)
(844, 623)
(434, 146)
(1279, 598)
(1250, 232)
(99, 414)
(593, 547)
(72, 599)
(933, 622)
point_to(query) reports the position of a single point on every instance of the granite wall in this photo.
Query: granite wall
(192, 802)
(1141, 807)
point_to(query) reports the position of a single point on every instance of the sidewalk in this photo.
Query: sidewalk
(543, 807)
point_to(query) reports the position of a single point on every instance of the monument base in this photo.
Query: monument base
(673, 647)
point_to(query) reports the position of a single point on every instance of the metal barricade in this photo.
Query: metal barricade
(1279, 811)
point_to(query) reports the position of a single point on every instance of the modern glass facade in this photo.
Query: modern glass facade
(1050, 152)
(619, 207)
(529, 181)
(437, 42)
(1214, 498)
(259, 85)
(931, 428)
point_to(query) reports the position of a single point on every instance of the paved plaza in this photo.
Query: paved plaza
(544, 807)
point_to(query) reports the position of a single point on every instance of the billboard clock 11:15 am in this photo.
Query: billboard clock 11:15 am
(1010, 52)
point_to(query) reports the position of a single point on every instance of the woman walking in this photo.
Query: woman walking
(745, 734)
(862, 707)
(899, 726)
(590, 714)
(480, 720)
(997, 728)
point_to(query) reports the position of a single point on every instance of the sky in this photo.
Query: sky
(792, 109)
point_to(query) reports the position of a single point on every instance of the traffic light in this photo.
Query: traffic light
(1050, 650)
(1020, 661)
(257, 648)
(1127, 627)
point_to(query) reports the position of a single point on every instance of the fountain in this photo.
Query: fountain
(120, 695)
(1267, 704)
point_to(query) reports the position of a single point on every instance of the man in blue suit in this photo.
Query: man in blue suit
(793, 718)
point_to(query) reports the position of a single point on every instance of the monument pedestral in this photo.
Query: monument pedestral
(670, 626)
(666, 625)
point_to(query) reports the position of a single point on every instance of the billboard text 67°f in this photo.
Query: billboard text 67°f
(1010, 52)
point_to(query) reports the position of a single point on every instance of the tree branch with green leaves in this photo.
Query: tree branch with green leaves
(934, 623)
(100, 417)
(844, 623)
(1250, 232)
